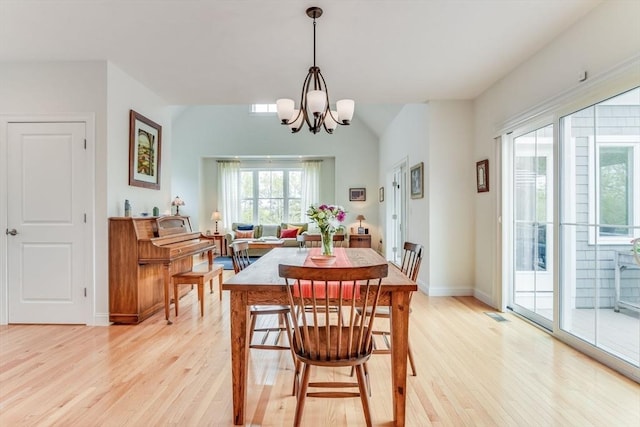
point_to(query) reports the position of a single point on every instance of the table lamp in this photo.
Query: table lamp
(216, 217)
(360, 218)
(177, 202)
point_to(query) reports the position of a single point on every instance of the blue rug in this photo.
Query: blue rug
(226, 261)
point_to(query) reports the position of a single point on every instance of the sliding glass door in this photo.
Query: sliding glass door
(531, 266)
(600, 216)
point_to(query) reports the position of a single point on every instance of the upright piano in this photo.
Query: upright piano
(143, 254)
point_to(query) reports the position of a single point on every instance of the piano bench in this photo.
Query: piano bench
(198, 277)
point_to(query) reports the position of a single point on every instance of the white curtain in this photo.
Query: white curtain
(229, 192)
(310, 185)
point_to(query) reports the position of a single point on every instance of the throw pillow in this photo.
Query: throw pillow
(244, 234)
(303, 225)
(289, 233)
(291, 227)
(245, 227)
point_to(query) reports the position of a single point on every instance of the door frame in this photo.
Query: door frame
(89, 238)
(390, 201)
(507, 170)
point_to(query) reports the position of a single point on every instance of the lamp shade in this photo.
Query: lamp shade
(285, 108)
(177, 202)
(345, 110)
(360, 218)
(329, 122)
(298, 121)
(317, 101)
(216, 216)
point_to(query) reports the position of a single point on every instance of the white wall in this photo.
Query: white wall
(99, 90)
(604, 38)
(231, 130)
(123, 94)
(440, 135)
(407, 139)
(451, 188)
(60, 89)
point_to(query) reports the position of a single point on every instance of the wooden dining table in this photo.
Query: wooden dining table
(260, 284)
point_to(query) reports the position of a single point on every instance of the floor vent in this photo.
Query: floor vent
(495, 316)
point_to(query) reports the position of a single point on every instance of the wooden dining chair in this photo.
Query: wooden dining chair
(239, 252)
(240, 258)
(309, 240)
(410, 266)
(315, 240)
(322, 338)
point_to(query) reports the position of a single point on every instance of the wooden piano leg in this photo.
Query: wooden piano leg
(167, 281)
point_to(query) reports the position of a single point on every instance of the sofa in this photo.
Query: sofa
(241, 231)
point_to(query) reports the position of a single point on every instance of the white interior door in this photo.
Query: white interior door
(396, 214)
(46, 222)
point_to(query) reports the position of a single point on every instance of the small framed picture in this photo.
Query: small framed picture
(482, 176)
(357, 194)
(361, 230)
(381, 194)
(417, 181)
(145, 138)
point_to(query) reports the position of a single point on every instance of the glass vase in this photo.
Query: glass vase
(327, 242)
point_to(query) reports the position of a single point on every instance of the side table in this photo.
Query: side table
(360, 241)
(220, 241)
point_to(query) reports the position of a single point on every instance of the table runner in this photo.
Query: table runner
(333, 287)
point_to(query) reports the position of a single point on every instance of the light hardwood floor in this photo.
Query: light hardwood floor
(472, 371)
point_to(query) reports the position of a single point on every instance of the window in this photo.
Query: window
(264, 108)
(615, 191)
(270, 196)
(609, 131)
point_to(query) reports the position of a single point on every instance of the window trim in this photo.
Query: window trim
(632, 141)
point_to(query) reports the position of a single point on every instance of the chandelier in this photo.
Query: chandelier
(314, 101)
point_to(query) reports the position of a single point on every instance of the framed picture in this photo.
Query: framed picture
(145, 139)
(482, 176)
(381, 194)
(357, 194)
(417, 181)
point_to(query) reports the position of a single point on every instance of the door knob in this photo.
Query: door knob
(12, 232)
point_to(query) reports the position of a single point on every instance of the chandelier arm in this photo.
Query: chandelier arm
(316, 81)
(303, 101)
(319, 84)
(302, 109)
(328, 109)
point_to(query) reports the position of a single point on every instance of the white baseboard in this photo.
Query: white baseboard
(101, 320)
(447, 292)
(484, 297)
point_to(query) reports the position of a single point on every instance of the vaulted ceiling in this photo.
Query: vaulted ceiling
(241, 52)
